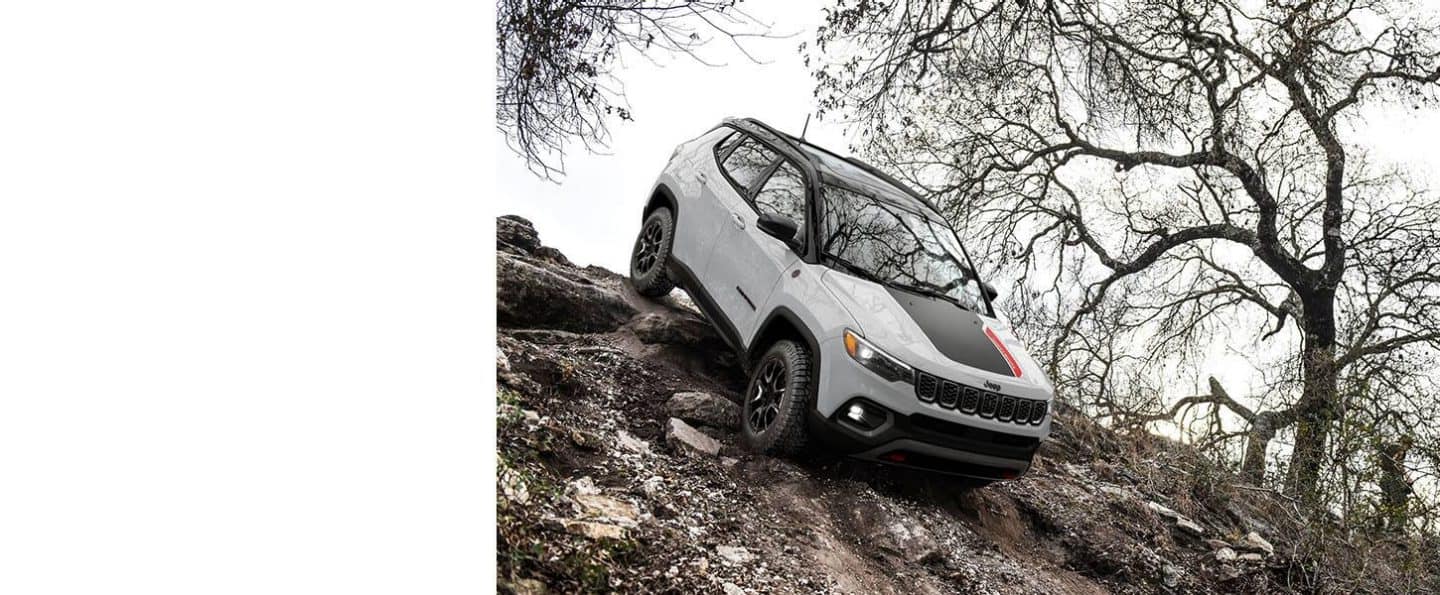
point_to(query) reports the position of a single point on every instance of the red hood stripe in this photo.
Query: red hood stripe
(1000, 345)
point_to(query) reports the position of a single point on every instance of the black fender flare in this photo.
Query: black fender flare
(793, 319)
(661, 196)
(818, 425)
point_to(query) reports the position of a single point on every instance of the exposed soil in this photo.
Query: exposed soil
(593, 499)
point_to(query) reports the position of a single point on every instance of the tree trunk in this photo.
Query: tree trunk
(1318, 399)
(1394, 486)
(1252, 466)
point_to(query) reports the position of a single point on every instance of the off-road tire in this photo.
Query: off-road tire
(650, 257)
(785, 433)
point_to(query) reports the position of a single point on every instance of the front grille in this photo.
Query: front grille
(925, 386)
(949, 395)
(971, 400)
(1006, 412)
(988, 403)
(951, 429)
(968, 399)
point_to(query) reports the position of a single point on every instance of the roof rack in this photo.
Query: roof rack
(789, 140)
(870, 169)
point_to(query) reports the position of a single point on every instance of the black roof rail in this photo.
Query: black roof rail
(872, 170)
(781, 136)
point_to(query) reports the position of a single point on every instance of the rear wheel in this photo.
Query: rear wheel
(775, 401)
(651, 254)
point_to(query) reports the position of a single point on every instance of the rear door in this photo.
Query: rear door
(702, 217)
(747, 263)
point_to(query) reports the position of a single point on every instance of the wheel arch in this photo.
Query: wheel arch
(662, 196)
(784, 323)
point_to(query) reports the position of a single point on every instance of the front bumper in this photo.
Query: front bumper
(915, 434)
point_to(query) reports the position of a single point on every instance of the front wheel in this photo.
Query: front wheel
(775, 401)
(652, 254)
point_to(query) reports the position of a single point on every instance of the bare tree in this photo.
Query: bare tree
(556, 81)
(1185, 161)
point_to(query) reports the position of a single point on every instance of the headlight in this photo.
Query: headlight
(879, 362)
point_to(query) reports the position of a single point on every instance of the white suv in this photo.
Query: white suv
(859, 316)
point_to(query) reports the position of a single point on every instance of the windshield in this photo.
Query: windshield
(890, 244)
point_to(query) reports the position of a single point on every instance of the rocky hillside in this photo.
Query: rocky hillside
(620, 470)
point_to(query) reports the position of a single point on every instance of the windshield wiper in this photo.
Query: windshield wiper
(922, 290)
(857, 270)
(861, 272)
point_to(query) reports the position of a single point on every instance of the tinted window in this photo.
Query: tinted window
(784, 194)
(898, 246)
(728, 142)
(748, 162)
(852, 173)
(856, 176)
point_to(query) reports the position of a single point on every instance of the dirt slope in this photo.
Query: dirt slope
(593, 497)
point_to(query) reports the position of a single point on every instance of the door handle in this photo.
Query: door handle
(700, 177)
(738, 220)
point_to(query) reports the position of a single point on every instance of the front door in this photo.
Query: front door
(747, 263)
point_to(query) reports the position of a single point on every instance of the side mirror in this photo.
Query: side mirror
(780, 226)
(990, 292)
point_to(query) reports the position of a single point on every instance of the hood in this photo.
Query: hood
(958, 333)
(932, 329)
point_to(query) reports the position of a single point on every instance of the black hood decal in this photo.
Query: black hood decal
(956, 332)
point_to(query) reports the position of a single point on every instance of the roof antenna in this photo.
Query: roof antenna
(806, 128)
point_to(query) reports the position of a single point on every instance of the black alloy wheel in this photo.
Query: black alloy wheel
(651, 256)
(768, 391)
(776, 400)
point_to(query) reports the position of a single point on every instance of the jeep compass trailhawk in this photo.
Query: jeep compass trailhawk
(860, 318)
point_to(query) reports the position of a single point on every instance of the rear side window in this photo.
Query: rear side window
(784, 194)
(724, 146)
(747, 163)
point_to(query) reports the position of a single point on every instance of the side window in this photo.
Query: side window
(747, 163)
(724, 145)
(784, 194)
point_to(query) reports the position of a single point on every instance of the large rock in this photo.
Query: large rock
(532, 296)
(909, 540)
(1190, 526)
(704, 408)
(595, 530)
(734, 554)
(627, 441)
(1163, 510)
(1181, 521)
(673, 327)
(602, 508)
(516, 234)
(686, 439)
(1254, 542)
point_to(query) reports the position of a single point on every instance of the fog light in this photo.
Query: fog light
(864, 415)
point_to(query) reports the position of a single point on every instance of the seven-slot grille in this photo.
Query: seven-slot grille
(968, 399)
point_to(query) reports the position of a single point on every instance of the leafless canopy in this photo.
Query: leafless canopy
(1166, 180)
(556, 64)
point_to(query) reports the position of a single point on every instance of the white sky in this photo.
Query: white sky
(593, 214)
